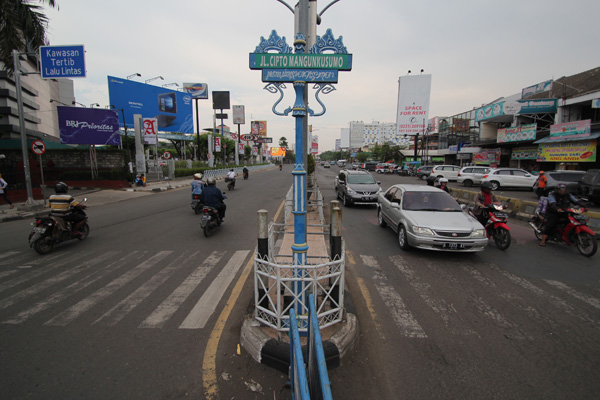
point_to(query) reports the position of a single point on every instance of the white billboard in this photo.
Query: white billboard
(413, 104)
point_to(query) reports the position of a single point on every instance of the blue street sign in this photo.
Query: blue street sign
(62, 61)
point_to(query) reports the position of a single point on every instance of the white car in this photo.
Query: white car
(472, 175)
(449, 172)
(509, 177)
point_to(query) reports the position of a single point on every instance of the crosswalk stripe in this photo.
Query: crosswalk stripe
(4, 274)
(7, 254)
(61, 295)
(423, 289)
(172, 303)
(583, 297)
(403, 318)
(9, 301)
(61, 262)
(76, 310)
(119, 311)
(207, 304)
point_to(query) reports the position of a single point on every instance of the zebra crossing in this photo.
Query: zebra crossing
(464, 297)
(112, 286)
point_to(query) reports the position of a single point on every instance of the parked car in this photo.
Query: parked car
(429, 218)
(472, 175)
(424, 171)
(570, 178)
(510, 177)
(369, 165)
(589, 185)
(356, 187)
(385, 168)
(449, 172)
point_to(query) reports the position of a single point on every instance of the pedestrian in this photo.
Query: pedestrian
(3, 186)
(143, 180)
(542, 182)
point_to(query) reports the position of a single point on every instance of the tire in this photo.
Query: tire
(345, 201)
(85, 230)
(502, 238)
(423, 177)
(198, 208)
(402, 238)
(208, 230)
(538, 234)
(586, 244)
(44, 245)
(468, 182)
(495, 185)
(380, 219)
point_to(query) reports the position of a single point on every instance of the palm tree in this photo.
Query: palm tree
(22, 28)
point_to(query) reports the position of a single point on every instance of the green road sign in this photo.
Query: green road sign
(341, 62)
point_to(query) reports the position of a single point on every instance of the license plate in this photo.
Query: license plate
(453, 246)
(366, 198)
(39, 229)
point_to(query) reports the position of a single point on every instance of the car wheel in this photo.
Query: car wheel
(380, 219)
(402, 238)
(495, 185)
(423, 177)
(468, 182)
(345, 201)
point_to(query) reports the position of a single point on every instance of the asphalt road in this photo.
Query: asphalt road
(148, 308)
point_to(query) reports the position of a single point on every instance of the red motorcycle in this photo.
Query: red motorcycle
(496, 226)
(573, 231)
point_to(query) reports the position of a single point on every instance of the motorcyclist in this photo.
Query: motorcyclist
(558, 202)
(483, 199)
(198, 184)
(63, 205)
(444, 185)
(280, 167)
(212, 197)
(245, 171)
(431, 179)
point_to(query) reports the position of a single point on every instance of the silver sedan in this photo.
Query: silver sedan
(429, 218)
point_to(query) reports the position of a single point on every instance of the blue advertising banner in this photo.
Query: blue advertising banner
(78, 125)
(62, 62)
(172, 109)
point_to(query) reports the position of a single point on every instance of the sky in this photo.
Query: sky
(475, 50)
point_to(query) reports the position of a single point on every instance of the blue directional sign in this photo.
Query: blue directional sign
(62, 61)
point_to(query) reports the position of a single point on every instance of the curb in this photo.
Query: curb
(275, 352)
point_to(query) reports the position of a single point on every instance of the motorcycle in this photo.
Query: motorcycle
(245, 175)
(230, 183)
(495, 226)
(49, 231)
(210, 220)
(573, 231)
(197, 203)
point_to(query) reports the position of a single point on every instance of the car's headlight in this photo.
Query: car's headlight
(478, 233)
(422, 231)
(350, 190)
(379, 190)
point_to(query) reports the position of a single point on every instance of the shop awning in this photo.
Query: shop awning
(548, 139)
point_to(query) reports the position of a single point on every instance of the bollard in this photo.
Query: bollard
(335, 237)
(332, 205)
(263, 234)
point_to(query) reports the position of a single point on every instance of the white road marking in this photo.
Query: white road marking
(594, 302)
(76, 310)
(207, 304)
(172, 303)
(9, 301)
(403, 318)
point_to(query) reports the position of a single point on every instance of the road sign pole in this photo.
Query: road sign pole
(17, 69)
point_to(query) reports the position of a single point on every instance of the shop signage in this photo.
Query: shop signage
(580, 151)
(517, 134)
(596, 103)
(487, 157)
(150, 126)
(569, 130)
(540, 106)
(539, 88)
(524, 153)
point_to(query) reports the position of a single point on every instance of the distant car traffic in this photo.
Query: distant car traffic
(589, 185)
(509, 177)
(471, 175)
(449, 172)
(424, 171)
(429, 218)
(356, 187)
(369, 165)
(385, 168)
(569, 178)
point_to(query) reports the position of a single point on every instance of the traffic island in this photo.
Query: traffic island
(279, 286)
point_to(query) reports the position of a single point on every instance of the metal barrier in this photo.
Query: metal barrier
(222, 172)
(316, 384)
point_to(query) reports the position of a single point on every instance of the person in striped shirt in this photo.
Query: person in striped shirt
(62, 205)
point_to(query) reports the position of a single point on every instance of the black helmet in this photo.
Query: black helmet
(211, 181)
(486, 185)
(61, 187)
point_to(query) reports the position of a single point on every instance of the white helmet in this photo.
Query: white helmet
(198, 176)
(443, 180)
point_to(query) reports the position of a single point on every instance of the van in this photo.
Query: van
(369, 165)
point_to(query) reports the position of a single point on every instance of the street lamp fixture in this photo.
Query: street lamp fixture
(59, 102)
(132, 75)
(94, 104)
(170, 84)
(76, 102)
(155, 78)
